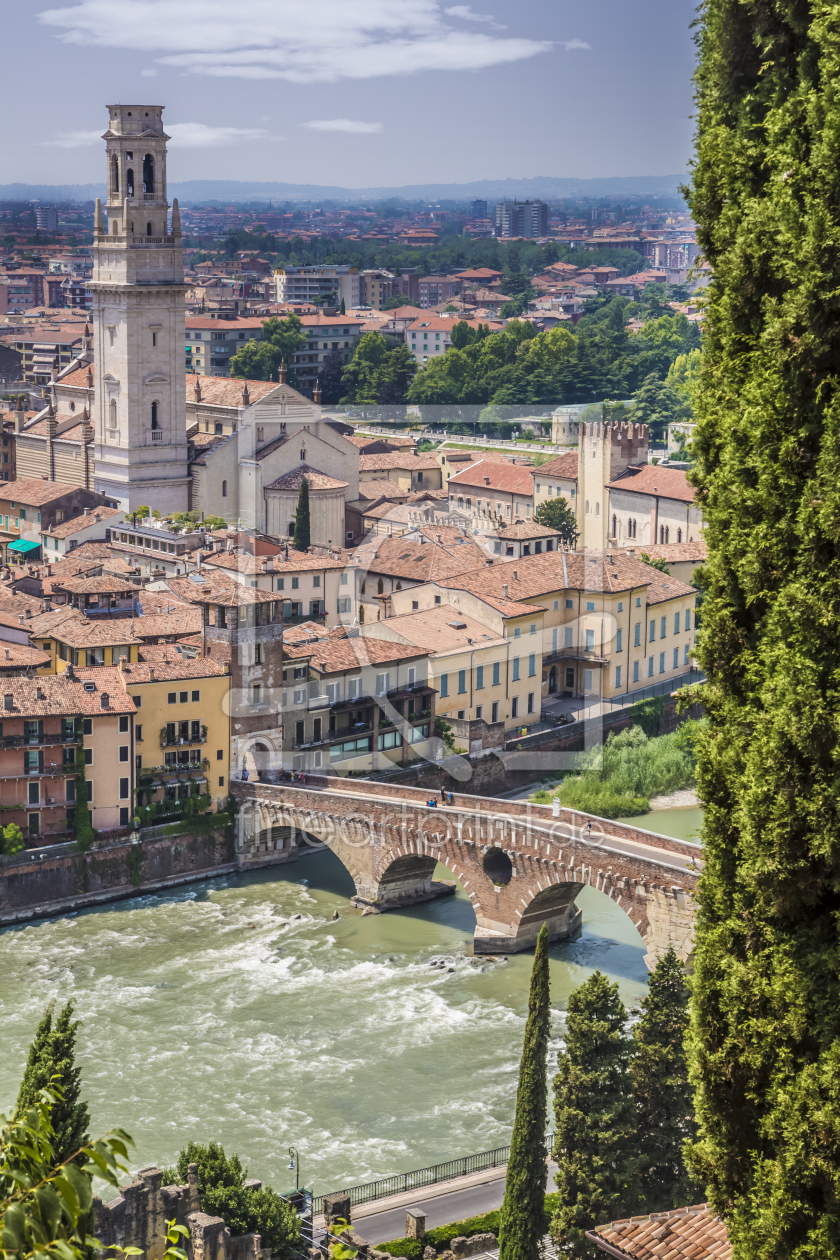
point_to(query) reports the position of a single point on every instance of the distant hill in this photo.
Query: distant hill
(231, 190)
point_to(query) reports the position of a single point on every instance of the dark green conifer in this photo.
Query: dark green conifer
(595, 1122)
(302, 528)
(523, 1218)
(52, 1054)
(663, 1096)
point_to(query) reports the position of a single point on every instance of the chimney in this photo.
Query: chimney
(316, 396)
(487, 481)
(246, 397)
(438, 537)
(39, 693)
(8, 655)
(197, 391)
(28, 614)
(504, 590)
(515, 576)
(151, 673)
(281, 375)
(104, 700)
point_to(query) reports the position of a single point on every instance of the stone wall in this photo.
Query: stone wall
(37, 882)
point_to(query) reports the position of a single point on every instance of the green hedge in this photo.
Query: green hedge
(441, 1237)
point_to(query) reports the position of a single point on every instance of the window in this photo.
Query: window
(533, 628)
(635, 671)
(676, 623)
(688, 618)
(650, 667)
(295, 584)
(124, 724)
(34, 825)
(138, 734)
(354, 688)
(587, 681)
(637, 634)
(676, 658)
(224, 489)
(652, 634)
(220, 754)
(570, 603)
(172, 697)
(494, 712)
(87, 726)
(391, 739)
(685, 662)
(462, 682)
(479, 678)
(568, 637)
(414, 605)
(123, 789)
(556, 604)
(437, 599)
(221, 780)
(620, 606)
(530, 702)
(444, 686)
(590, 605)
(532, 665)
(638, 601)
(344, 605)
(34, 793)
(618, 675)
(123, 752)
(516, 632)
(590, 640)
(155, 416)
(515, 674)
(382, 684)
(316, 581)
(618, 636)
(343, 581)
(496, 674)
(662, 627)
(183, 696)
(662, 662)
(256, 693)
(88, 756)
(514, 707)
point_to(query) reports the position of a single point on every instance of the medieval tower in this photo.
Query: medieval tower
(138, 287)
(604, 452)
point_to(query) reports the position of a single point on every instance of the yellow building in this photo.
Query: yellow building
(70, 638)
(108, 739)
(182, 727)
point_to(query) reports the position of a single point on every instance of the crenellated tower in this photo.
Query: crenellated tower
(604, 452)
(138, 286)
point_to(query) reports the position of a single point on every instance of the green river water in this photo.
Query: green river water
(236, 1009)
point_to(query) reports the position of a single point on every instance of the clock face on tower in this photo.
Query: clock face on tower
(138, 286)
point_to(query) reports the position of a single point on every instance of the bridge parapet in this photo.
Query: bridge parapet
(520, 867)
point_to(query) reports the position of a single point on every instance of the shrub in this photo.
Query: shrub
(441, 1237)
(648, 715)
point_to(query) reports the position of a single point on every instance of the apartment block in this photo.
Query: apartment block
(521, 218)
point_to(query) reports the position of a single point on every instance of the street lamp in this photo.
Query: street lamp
(294, 1165)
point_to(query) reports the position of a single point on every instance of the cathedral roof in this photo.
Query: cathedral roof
(225, 391)
(317, 480)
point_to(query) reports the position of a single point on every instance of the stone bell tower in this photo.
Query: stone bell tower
(605, 451)
(138, 286)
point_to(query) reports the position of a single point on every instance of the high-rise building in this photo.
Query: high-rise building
(138, 302)
(46, 218)
(478, 210)
(522, 218)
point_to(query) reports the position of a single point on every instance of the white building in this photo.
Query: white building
(310, 284)
(429, 338)
(138, 287)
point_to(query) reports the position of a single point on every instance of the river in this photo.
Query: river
(237, 1010)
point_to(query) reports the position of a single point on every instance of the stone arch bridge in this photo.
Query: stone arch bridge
(521, 864)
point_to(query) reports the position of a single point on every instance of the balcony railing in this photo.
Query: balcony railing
(576, 654)
(35, 741)
(184, 741)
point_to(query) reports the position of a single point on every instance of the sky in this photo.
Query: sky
(354, 92)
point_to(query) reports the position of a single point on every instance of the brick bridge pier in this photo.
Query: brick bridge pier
(520, 864)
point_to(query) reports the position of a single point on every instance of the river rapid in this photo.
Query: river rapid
(238, 1010)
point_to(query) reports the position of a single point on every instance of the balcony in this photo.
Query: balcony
(187, 741)
(37, 741)
(575, 654)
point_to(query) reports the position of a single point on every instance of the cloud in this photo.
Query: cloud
(351, 125)
(464, 12)
(575, 45)
(299, 41)
(149, 73)
(187, 135)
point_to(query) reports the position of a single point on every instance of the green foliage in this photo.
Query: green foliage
(11, 840)
(523, 1220)
(557, 514)
(664, 1105)
(595, 1122)
(331, 378)
(657, 404)
(85, 834)
(765, 1021)
(392, 303)
(617, 779)
(51, 1063)
(261, 360)
(45, 1204)
(303, 533)
(134, 861)
(222, 1193)
(684, 373)
(215, 522)
(648, 715)
(142, 512)
(659, 563)
(444, 731)
(379, 372)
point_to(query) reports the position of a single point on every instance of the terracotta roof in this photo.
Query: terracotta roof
(93, 585)
(338, 652)
(473, 457)
(64, 694)
(507, 477)
(533, 576)
(367, 439)
(194, 592)
(523, 530)
(675, 553)
(415, 561)
(22, 656)
(33, 492)
(77, 377)
(68, 429)
(433, 629)
(396, 459)
(67, 528)
(381, 488)
(298, 562)
(317, 480)
(167, 665)
(691, 1233)
(563, 466)
(665, 483)
(236, 596)
(400, 513)
(184, 619)
(225, 391)
(78, 631)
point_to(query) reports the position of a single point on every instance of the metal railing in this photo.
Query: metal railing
(399, 1183)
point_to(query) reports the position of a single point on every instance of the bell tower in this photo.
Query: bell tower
(138, 286)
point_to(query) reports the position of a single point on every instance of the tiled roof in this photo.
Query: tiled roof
(473, 457)
(22, 656)
(399, 513)
(441, 629)
(63, 695)
(33, 491)
(692, 1233)
(298, 562)
(535, 576)
(338, 652)
(168, 665)
(563, 466)
(67, 528)
(506, 477)
(236, 596)
(367, 439)
(381, 488)
(225, 391)
(396, 459)
(77, 378)
(666, 483)
(675, 553)
(524, 530)
(68, 429)
(317, 480)
(184, 619)
(93, 585)
(418, 562)
(88, 632)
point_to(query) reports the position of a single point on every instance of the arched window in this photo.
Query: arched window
(224, 489)
(129, 184)
(148, 229)
(460, 502)
(399, 586)
(155, 424)
(667, 532)
(679, 535)
(587, 507)
(115, 174)
(380, 587)
(148, 174)
(114, 228)
(112, 413)
(597, 509)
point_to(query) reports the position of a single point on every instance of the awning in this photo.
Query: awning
(24, 544)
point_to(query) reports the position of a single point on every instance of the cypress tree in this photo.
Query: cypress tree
(765, 1013)
(664, 1103)
(595, 1121)
(523, 1218)
(302, 529)
(53, 1054)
